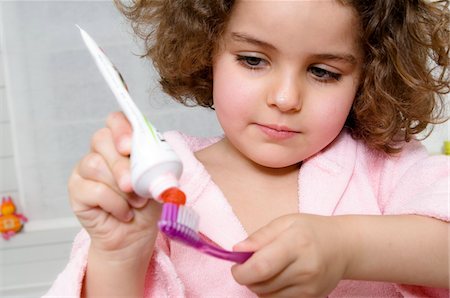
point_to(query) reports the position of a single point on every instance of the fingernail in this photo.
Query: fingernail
(130, 216)
(125, 182)
(138, 202)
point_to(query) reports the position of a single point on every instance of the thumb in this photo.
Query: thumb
(264, 235)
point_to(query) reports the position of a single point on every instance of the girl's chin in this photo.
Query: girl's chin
(274, 163)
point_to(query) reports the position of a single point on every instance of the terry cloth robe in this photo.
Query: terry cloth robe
(344, 178)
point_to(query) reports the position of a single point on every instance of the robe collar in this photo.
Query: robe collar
(322, 181)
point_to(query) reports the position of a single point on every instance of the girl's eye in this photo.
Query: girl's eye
(324, 75)
(251, 61)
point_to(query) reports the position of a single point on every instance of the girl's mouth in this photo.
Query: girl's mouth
(277, 132)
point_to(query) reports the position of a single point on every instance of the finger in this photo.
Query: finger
(288, 291)
(137, 201)
(122, 173)
(121, 132)
(87, 196)
(296, 290)
(151, 211)
(265, 263)
(102, 143)
(285, 278)
(94, 167)
(264, 235)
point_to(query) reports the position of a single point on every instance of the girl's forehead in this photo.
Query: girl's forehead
(300, 9)
(307, 24)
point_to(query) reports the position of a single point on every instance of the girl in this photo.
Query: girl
(318, 168)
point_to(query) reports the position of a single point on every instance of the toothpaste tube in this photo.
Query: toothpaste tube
(155, 168)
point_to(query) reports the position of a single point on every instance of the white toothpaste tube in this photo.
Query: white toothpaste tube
(155, 167)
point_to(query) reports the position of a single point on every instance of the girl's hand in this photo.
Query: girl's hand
(122, 226)
(297, 255)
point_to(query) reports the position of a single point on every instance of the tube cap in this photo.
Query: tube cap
(161, 184)
(173, 195)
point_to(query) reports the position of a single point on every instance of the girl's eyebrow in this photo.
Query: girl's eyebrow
(342, 57)
(242, 37)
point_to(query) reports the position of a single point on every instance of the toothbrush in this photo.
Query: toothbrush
(180, 223)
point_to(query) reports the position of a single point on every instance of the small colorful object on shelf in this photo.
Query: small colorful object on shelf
(10, 221)
(447, 147)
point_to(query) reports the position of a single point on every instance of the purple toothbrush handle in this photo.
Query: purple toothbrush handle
(181, 224)
(234, 256)
(191, 238)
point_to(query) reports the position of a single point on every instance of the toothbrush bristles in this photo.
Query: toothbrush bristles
(180, 223)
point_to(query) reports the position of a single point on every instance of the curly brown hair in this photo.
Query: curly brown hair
(405, 72)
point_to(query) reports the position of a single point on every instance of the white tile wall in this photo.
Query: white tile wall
(5, 135)
(441, 132)
(8, 178)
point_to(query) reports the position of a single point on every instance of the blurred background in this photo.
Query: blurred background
(52, 98)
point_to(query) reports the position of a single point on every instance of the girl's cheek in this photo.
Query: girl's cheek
(332, 113)
(234, 93)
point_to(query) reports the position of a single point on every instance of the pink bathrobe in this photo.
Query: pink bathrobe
(345, 178)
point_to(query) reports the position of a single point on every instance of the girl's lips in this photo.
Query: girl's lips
(277, 132)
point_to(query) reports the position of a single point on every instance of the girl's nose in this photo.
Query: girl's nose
(285, 95)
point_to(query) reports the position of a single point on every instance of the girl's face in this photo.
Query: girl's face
(285, 76)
